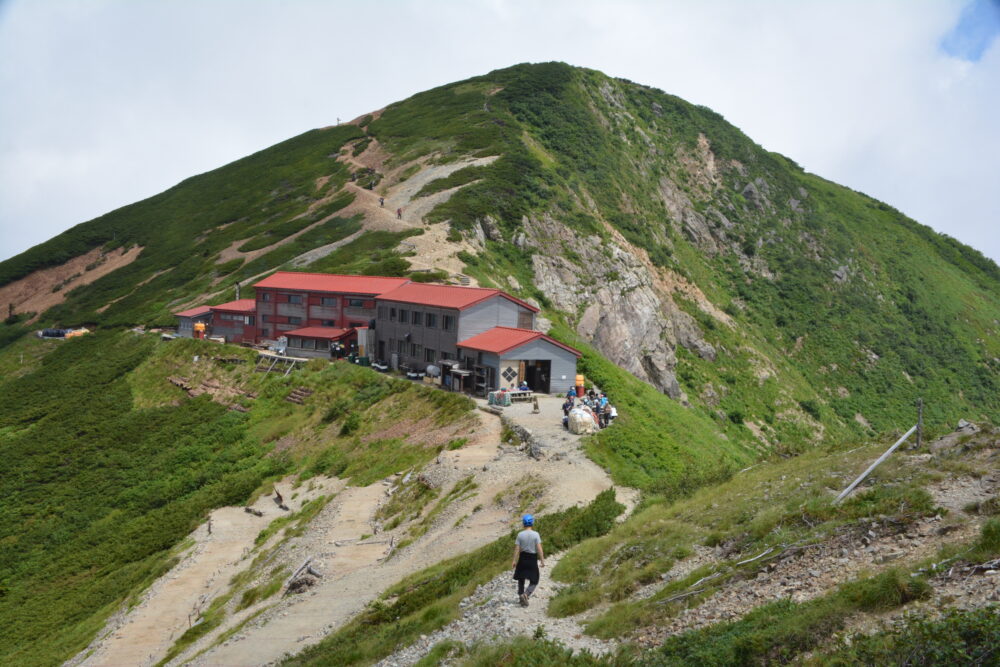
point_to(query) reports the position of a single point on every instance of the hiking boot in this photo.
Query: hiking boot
(524, 599)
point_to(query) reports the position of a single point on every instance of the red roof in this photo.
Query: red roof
(329, 282)
(505, 339)
(241, 306)
(447, 296)
(327, 333)
(195, 312)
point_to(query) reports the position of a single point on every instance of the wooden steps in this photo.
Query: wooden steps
(298, 395)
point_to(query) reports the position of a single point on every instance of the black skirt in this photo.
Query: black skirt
(527, 567)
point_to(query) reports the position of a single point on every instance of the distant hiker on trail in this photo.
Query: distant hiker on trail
(528, 557)
(381, 201)
(399, 214)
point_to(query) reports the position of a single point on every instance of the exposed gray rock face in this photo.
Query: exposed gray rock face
(490, 229)
(685, 218)
(621, 311)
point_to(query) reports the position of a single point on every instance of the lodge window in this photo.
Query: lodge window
(392, 314)
(328, 323)
(401, 347)
(447, 355)
(266, 296)
(418, 318)
(294, 342)
(381, 312)
(355, 325)
(356, 303)
(249, 320)
(448, 322)
(430, 320)
(308, 344)
(404, 316)
(328, 301)
(429, 355)
(265, 319)
(294, 298)
(415, 350)
(295, 320)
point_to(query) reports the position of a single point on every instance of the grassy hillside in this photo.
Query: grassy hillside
(107, 466)
(837, 314)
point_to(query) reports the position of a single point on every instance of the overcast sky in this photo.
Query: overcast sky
(105, 102)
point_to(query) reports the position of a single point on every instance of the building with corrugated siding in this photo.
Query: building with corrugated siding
(503, 357)
(287, 300)
(235, 321)
(419, 324)
(320, 342)
(478, 339)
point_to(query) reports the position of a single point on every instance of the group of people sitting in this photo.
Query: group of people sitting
(595, 404)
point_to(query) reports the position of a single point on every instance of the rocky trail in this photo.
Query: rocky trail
(357, 559)
(493, 614)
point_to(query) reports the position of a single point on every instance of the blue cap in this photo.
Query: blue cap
(528, 520)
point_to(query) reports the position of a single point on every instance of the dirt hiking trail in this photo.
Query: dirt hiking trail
(346, 544)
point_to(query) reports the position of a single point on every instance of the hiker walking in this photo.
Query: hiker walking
(528, 557)
(399, 214)
(381, 201)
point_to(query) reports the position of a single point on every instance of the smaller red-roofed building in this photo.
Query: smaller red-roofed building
(235, 321)
(320, 342)
(186, 319)
(506, 357)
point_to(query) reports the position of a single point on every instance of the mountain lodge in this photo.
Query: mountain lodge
(477, 339)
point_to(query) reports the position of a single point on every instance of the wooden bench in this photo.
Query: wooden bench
(518, 396)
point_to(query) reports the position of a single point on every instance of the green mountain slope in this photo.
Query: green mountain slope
(107, 466)
(782, 309)
(733, 306)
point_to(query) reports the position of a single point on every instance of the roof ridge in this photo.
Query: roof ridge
(338, 275)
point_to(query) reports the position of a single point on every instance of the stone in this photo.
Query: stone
(491, 229)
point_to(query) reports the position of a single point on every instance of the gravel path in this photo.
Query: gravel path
(492, 614)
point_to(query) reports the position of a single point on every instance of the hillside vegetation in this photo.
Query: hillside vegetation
(825, 314)
(735, 307)
(107, 466)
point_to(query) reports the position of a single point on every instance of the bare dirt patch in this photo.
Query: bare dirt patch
(38, 291)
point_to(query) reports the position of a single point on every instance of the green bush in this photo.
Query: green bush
(351, 424)
(959, 637)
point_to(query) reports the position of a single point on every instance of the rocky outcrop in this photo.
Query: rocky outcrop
(619, 309)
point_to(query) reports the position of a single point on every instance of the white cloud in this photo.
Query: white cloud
(103, 103)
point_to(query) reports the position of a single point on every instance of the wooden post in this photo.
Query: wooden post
(920, 421)
(847, 491)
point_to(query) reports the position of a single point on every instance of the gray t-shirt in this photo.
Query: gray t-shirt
(528, 540)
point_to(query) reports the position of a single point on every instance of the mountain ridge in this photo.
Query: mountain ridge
(734, 307)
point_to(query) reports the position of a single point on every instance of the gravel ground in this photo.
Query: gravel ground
(492, 614)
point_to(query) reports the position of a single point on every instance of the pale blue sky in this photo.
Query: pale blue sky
(104, 102)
